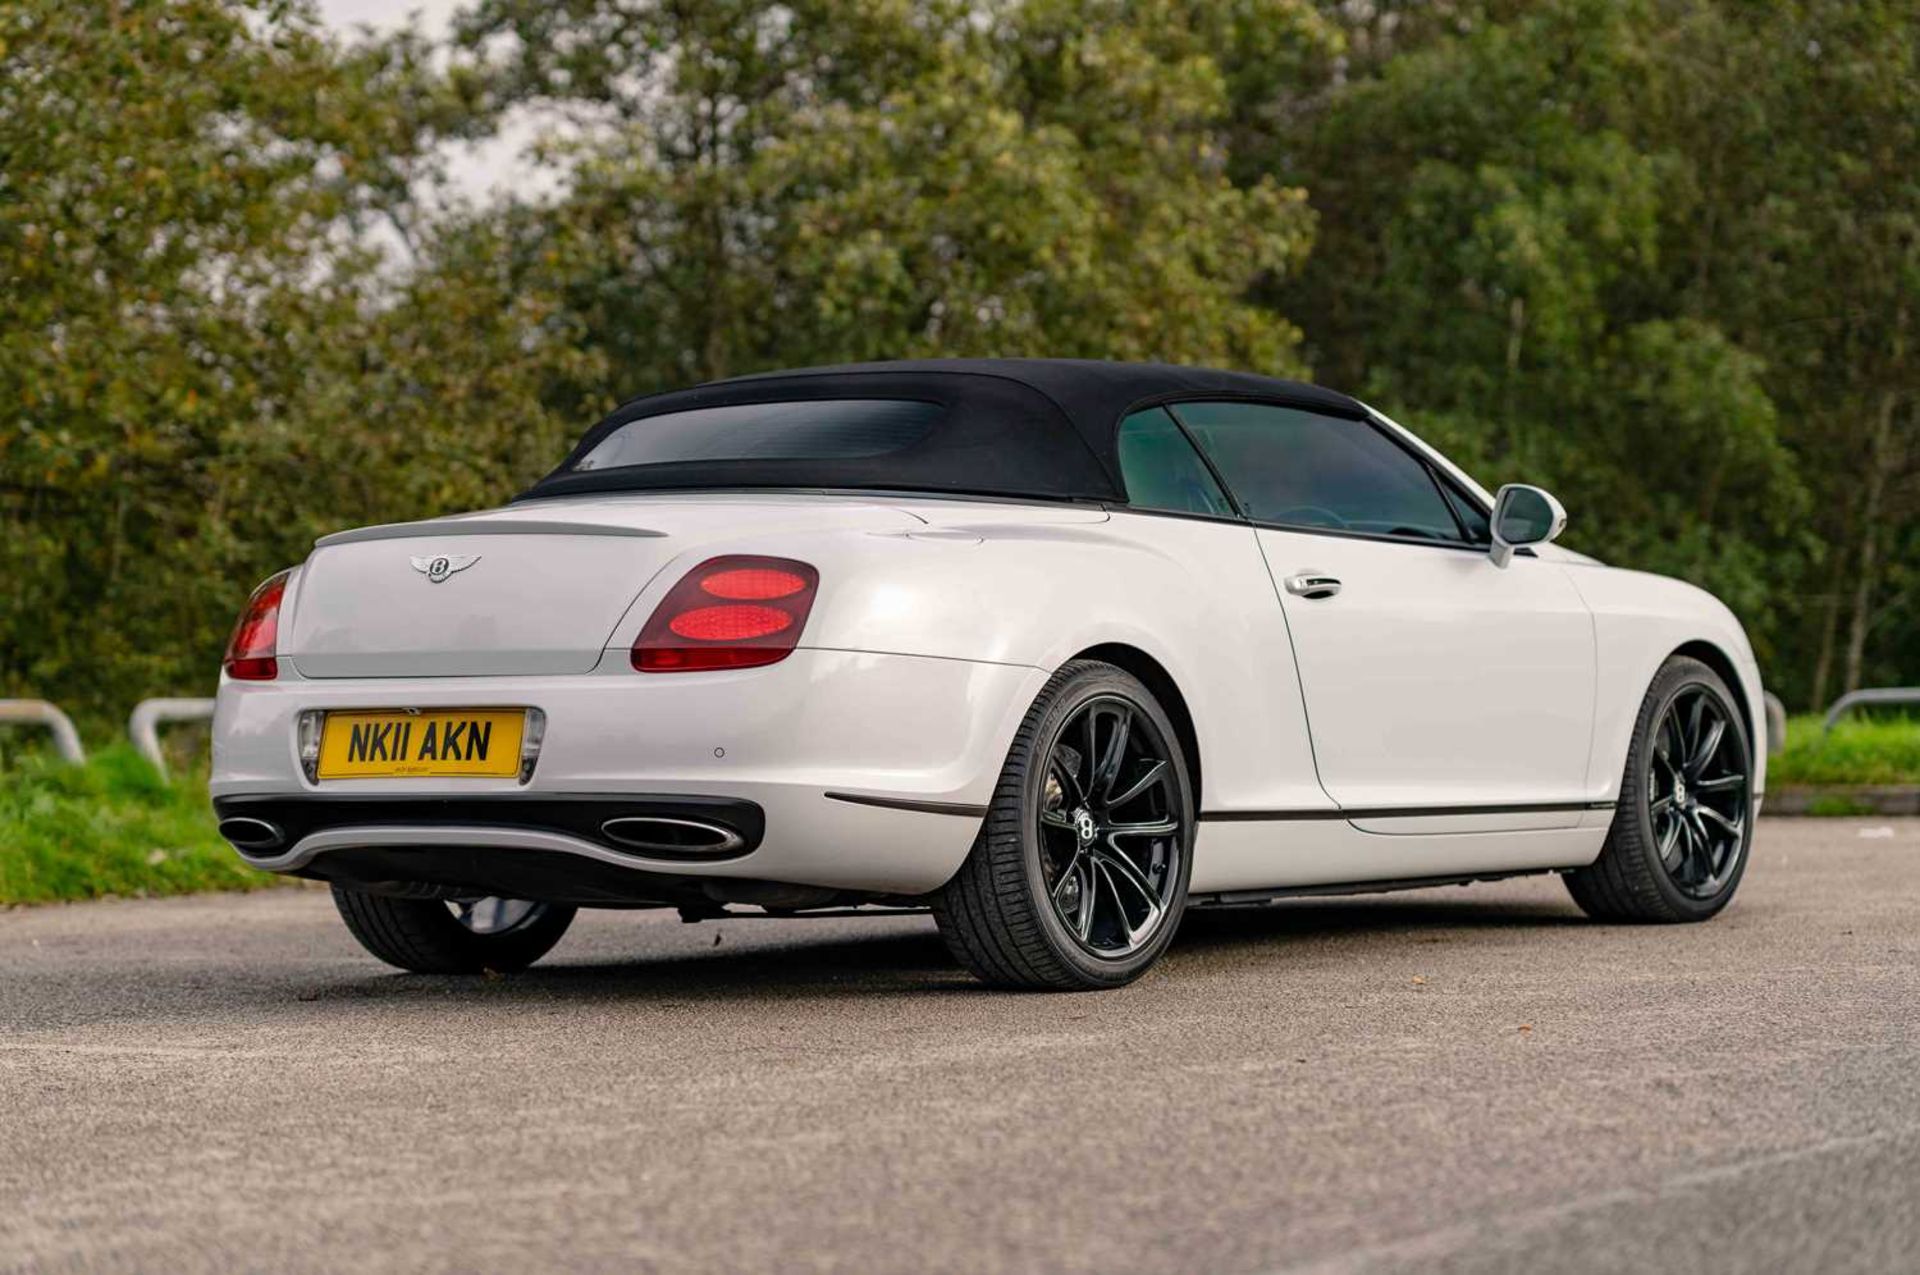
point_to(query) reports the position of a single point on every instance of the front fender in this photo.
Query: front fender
(1640, 621)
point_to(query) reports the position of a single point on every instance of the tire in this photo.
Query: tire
(1002, 914)
(425, 937)
(1651, 867)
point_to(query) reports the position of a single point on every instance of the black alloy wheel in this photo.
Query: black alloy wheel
(1681, 834)
(1079, 876)
(1697, 792)
(1110, 833)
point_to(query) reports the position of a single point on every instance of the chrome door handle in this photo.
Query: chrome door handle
(1311, 584)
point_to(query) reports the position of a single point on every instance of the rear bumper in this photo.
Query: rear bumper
(286, 832)
(554, 848)
(910, 746)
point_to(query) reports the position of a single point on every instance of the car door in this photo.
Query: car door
(1240, 678)
(1441, 691)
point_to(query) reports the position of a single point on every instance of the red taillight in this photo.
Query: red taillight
(734, 612)
(729, 623)
(754, 584)
(250, 652)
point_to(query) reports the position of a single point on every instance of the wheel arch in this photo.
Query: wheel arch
(1720, 662)
(1154, 676)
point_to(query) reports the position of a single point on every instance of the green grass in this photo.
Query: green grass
(1858, 751)
(112, 826)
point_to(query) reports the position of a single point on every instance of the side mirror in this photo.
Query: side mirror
(1523, 515)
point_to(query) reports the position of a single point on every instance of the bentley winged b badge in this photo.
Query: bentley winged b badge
(438, 569)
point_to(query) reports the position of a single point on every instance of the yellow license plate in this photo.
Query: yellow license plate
(470, 742)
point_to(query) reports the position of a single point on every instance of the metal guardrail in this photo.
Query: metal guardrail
(1880, 695)
(1776, 723)
(38, 712)
(143, 727)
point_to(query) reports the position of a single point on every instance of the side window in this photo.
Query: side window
(1303, 469)
(1161, 469)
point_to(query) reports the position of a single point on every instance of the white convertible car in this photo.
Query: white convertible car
(1053, 649)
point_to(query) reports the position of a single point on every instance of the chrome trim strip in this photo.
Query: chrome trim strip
(502, 527)
(1400, 812)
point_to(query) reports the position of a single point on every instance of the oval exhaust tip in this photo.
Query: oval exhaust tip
(671, 837)
(249, 835)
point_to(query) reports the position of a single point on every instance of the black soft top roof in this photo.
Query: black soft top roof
(1040, 428)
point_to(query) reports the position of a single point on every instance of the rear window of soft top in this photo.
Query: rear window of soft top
(794, 429)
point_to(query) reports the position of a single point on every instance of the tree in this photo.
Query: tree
(1658, 254)
(861, 180)
(178, 184)
(1807, 148)
(1654, 253)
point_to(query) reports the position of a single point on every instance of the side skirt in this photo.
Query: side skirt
(1257, 898)
(1267, 856)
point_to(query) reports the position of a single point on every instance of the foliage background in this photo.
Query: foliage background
(1659, 255)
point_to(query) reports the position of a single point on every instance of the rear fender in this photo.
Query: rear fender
(1034, 587)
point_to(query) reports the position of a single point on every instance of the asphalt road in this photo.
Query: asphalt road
(1454, 1080)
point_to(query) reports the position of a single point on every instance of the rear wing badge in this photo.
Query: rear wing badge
(438, 569)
